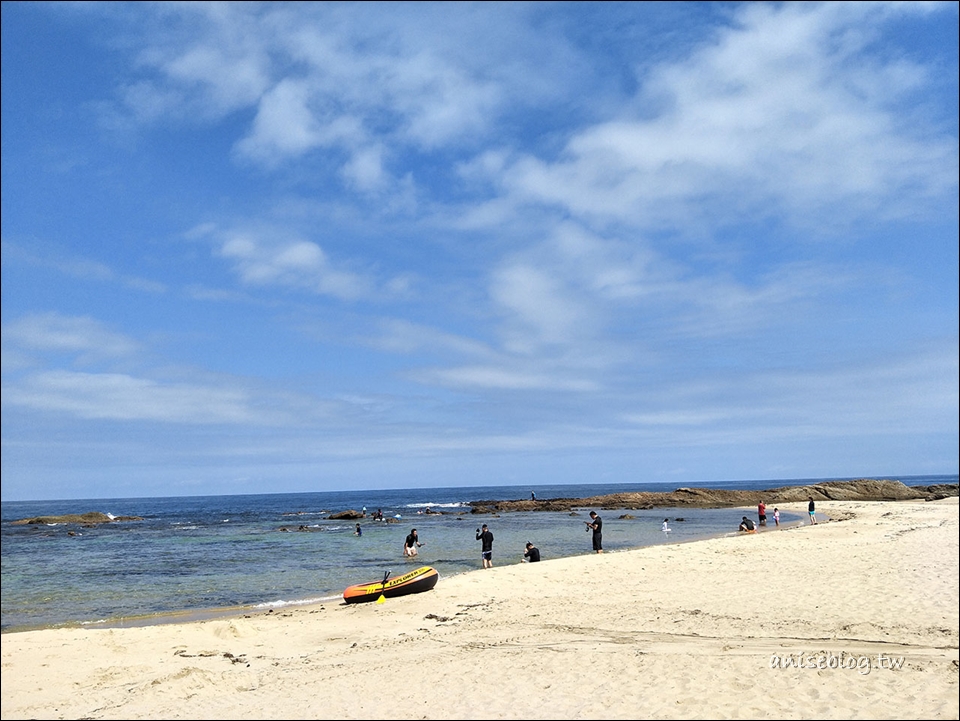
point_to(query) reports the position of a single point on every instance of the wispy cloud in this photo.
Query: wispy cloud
(781, 113)
(57, 333)
(265, 256)
(113, 396)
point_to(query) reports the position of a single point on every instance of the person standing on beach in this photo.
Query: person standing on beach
(411, 544)
(762, 513)
(532, 554)
(776, 516)
(486, 546)
(812, 510)
(597, 527)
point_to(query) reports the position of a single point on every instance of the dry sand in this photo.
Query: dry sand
(696, 630)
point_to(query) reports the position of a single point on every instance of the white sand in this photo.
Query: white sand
(687, 630)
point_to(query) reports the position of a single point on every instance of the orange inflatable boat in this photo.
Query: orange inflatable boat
(416, 581)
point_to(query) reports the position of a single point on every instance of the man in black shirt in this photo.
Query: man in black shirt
(486, 547)
(597, 527)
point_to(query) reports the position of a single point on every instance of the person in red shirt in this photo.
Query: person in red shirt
(762, 512)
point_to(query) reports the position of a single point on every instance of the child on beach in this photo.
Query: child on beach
(665, 528)
(776, 516)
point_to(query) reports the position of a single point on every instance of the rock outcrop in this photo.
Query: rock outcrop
(860, 490)
(346, 516)
(92, 518)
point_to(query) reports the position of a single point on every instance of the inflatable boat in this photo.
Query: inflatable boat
(417, 581)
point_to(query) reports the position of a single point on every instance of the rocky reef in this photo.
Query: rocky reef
(859, 490)
(93, 518)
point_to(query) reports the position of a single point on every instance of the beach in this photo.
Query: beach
(852, 618)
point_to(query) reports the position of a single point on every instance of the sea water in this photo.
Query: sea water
(207, 553)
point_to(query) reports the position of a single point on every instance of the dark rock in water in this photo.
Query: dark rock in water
(93, 518)
(391, 519)
(864, 489)
(679, 519)
(627, 517)
(345, 516)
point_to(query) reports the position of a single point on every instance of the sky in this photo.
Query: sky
(265, 248)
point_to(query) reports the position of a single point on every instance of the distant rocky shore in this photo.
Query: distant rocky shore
(859, 490)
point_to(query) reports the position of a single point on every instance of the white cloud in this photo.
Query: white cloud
(284, 123)
(776, 115)
(56, 333)
(364, 170)
(783, 110)
(318, 77)
(542, 311)
(269, 260)
(440, 102)
(287, 125)
(77, 267)
(502, 378)
(235, 76)
(402, 336)
(916, 392)
(115, 396)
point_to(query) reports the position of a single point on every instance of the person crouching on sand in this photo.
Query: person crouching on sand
(747, 525)
(531, 554)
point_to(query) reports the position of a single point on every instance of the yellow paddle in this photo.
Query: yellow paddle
(383, 584)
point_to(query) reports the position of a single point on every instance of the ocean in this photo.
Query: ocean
(206, 555)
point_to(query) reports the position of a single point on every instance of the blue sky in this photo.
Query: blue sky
(253, 248)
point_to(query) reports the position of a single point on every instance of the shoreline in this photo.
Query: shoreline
(686, 630)
(246, 611)
(684, 498)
